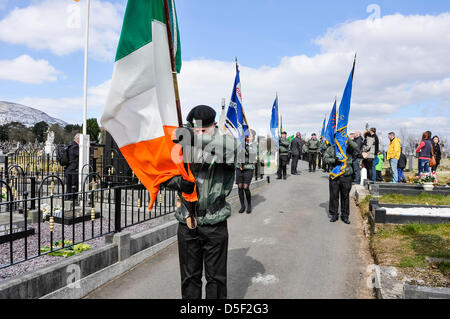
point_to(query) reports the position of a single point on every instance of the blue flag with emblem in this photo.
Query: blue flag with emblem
(331, 126)
(341, 132)
(322, 134)
(274, 122)
(235, 122)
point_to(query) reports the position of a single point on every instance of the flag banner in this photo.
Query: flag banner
(322, 134)
(235, 122)
(274, 122)
(140, 111)
(341, 132)
(331, 126)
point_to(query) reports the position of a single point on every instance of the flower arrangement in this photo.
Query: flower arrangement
(4, 190)
(57, 211)
(427, 178)
(67, 252)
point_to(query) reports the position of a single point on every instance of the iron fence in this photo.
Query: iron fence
(34, 226)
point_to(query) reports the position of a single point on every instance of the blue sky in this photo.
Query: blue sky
(260, 33)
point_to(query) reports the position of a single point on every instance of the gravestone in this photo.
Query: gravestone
(49, 143)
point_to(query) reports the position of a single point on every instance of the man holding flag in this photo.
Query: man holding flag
(143, 114)
(339, 156)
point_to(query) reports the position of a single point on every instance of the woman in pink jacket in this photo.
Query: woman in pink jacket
(424, 151)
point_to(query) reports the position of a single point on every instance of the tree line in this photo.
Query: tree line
(17, 132)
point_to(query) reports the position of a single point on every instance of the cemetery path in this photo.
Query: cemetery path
(285, 249)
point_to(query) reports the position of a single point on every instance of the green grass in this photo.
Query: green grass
(424, 199)
(408, 245)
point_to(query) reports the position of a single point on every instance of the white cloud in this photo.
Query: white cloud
(402, 80)
(27, 70)
(58, 26)
(71, 109)
(403, 63)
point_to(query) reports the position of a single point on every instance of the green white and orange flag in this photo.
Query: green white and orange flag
(140, 112)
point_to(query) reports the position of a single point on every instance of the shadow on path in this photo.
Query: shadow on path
(325, 206)
(241, 270)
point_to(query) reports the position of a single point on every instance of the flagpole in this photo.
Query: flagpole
(191, 220)
(86, 48)
(243, 113)
(172, 61)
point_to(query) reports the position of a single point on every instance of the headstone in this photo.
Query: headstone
(49, 143)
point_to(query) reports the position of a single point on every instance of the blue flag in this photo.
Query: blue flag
(235, 116)
(341, 133)
(274, 122)
(322, 134)
(331, 126)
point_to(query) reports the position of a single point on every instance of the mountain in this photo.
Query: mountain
(28, 116)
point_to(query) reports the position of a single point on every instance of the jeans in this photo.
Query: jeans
(401, 176)
(374, 171)
(356, 170)
(424, 166)
(394, 169)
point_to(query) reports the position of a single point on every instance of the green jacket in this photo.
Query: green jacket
(285, 146)
(247, 156)
(379, 166)
(214, 171)
(313, 146)
(330, 157)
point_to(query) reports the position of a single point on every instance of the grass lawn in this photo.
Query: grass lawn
(423, 199)
(406, 246)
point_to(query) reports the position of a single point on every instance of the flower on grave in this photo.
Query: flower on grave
(426, 178)
(4, 192)
(46, 212)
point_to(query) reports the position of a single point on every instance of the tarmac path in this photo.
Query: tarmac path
(285, 249)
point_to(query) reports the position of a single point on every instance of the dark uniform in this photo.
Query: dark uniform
(71, 171)
(323, 148)
(283, 158)
(214, 171)
(340, 187)
(296, 151)
(313, 147)
(244, 174)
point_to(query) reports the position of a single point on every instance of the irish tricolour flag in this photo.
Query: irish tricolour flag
(140, 112)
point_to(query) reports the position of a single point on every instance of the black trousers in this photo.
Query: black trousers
(282, 166)
(206, 245)
(319, 157)
(71, 179)
(312, 161)
(340, 188)
(368, 164)
(294, 163)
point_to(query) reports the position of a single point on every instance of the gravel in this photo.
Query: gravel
(46, 260)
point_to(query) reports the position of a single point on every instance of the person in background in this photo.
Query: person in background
(376, 144)
(437, 153)
(379, 166)
(296, 151)
(401, 166)
(369, 149)
(393, 155)
(71, 171)
(245, 168)
(323, 148)
(313, 147)
(357, 138)
(424, 150)
(284, 156)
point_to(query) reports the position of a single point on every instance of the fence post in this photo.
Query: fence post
(118, 212)
(33, 192)
(6, 167)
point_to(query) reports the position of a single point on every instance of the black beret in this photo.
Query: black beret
(201, 115)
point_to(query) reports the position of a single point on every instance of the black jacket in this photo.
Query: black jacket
(296, 146)
(73, 156)
(437, 153)
(377, 144)
(359, 141)
(402, 161)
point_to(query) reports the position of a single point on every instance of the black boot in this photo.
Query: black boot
(345, 220)
(334, 218)
(248, 195)
(242, 200)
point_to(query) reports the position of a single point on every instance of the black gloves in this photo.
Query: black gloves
(187, 187)
(184, 136)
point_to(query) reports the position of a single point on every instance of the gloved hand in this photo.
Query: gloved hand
(184, 136)
(187, 187)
